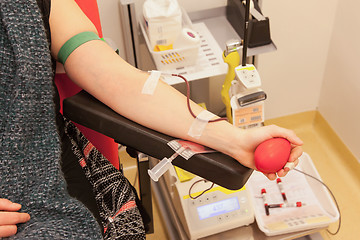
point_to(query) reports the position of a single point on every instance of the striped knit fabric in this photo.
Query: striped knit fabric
(115, 198)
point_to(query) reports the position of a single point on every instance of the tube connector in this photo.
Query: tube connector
(156, 172)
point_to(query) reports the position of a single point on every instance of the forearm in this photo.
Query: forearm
(119, 85)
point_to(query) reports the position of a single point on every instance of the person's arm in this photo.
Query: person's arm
(9, 217)
(95, 67)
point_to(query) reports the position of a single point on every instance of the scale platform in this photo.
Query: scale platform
(202, 215)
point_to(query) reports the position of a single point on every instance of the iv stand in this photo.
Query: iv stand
(246, 25)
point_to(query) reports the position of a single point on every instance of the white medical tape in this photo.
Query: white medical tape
(178, 148)
(199, 124)
(151, 83)
(290, 165)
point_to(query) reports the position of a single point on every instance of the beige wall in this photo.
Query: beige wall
(292, 76)
(110, 22)
(340, 92)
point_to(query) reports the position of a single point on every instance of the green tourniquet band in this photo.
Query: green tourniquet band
(74, 43)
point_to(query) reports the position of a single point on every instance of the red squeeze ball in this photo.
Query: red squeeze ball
(272, 155)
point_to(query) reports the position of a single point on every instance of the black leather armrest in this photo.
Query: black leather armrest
(216, 167)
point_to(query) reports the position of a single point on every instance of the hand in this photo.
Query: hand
(251, 138)
(9, 217)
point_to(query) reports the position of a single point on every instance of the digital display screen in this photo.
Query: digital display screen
(217, 208)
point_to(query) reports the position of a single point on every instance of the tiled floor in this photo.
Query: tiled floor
(336, 165)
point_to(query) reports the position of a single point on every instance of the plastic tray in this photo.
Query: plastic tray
(174, 58)
(296, 219)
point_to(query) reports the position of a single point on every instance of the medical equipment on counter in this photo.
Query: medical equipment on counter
(247, 98)
(205, 208)
(241, 92)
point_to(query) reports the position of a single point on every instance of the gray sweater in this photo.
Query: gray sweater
(29, 142)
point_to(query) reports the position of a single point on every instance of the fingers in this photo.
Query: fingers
(296, 152)
(270, 176)
(7, 205)
(8, 230)
(11, 218)
(276, 131)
